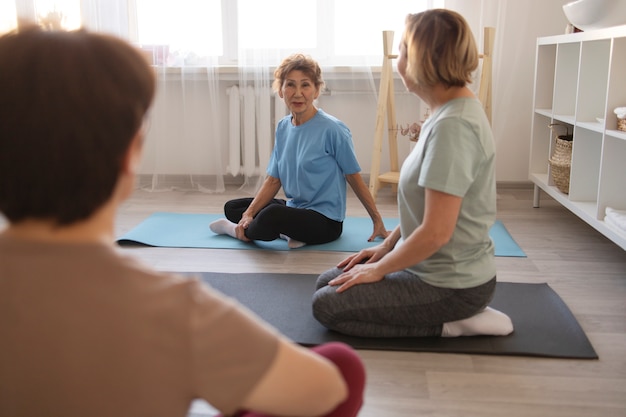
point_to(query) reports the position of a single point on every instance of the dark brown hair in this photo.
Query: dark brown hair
(70, 104)
(440, 48)
(298, 62)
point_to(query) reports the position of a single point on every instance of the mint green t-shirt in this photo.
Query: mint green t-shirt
(455, 154)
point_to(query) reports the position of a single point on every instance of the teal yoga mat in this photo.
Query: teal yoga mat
(191, 230)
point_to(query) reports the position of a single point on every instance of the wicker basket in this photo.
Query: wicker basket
(621, 124)
(561, 162)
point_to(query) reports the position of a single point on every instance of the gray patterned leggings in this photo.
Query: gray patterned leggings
(401, 305)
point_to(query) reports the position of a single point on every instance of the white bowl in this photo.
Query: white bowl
(595, 14)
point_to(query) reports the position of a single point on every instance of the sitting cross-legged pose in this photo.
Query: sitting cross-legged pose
(435, 274)
(84, 329)
(313, 157)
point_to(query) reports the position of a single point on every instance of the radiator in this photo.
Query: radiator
(251, 128)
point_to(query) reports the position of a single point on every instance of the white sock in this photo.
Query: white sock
(223, 227)
(489, 322)
(292, 243)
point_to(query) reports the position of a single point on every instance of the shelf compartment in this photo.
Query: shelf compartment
(593, 80)
(616, 96)
(585, 173)
(544, 76)
(613, 174)
(566, 79)
(541, 144)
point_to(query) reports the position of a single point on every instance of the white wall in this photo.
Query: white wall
(358, 111)
(518, 24)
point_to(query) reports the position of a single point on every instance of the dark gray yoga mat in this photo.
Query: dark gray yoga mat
(544, 325)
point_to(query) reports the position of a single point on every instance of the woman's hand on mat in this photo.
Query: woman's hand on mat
(360, 274)
(379, 231)
(366, 256)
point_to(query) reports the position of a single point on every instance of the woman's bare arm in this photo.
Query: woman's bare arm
(362, 192)
(440, 217)
(299, 383)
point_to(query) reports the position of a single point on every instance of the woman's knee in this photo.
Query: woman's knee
(270, 215)
(347, 360)
(233, 209)
(325, 305)
(325, 298)
(326, 277)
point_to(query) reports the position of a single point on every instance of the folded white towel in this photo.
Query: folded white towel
(616, 218)
(615, 212)
(620, 112)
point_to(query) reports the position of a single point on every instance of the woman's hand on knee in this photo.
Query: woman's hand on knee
(367, 256)
(241, 233)
(241, 227)
(360, 274)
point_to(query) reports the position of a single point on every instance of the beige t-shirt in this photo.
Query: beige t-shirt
(85, 331)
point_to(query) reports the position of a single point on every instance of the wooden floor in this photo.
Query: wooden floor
(584, 268)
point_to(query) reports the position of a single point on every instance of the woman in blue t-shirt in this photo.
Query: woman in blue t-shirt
(312, 160)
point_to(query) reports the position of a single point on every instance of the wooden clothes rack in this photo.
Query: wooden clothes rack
(386, 109)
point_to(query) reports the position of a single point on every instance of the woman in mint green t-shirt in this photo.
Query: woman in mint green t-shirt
(434, 275)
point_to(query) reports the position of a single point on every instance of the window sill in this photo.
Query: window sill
(230, 73)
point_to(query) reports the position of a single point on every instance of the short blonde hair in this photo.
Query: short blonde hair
(298, 62)
(440, 49)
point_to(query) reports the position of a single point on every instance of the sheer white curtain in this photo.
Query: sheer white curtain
(184, 147)
(214, 115)
(208, 132)
(346, 39)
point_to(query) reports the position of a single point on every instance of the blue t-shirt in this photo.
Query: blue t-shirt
(311, 161)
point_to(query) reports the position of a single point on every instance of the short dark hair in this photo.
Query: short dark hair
(298, 62)
(70, 105)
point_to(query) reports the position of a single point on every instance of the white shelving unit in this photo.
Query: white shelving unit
(579, 79)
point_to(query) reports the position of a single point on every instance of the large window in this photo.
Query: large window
(188, 32)
(279, 24)
(180, 32)
(358, 26)
(8, 16)
(52, 14)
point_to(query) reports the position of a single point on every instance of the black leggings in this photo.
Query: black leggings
(276, 218)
